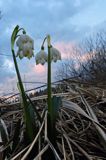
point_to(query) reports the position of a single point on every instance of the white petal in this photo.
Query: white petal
(19, 44)
(41, 57)
(42, 61)
(28, 45)
(54, 59)
(55, 54)
(27, 52)
(30, 54)
(23, 39)
(32, 42)
(20, 54)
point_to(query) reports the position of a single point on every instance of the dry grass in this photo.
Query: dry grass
(77, 134)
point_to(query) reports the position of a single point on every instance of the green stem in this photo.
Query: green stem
(50, 118)
(18, 76)
(49, 77)
(24, 100)
(42, 46)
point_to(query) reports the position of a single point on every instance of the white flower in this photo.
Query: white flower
(41, 57)
(25, 46)
(55, 54)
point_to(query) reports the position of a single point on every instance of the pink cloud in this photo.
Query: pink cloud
(39, 69)
(70, 50)
(66, 49)
(36, 73)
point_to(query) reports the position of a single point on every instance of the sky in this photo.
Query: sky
(67, 21)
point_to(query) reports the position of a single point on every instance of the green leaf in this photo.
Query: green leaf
(56, 104)
(51, 119)
(34, 109)
(32, 114)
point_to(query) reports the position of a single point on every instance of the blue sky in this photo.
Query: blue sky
(67, 21)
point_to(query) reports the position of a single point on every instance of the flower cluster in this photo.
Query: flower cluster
(25, 46)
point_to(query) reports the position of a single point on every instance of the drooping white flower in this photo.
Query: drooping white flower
(25, 46)
(41, 57)
(55, 54)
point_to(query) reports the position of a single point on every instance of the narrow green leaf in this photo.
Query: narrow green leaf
(56, 104)
(51, 118)
(34, 109)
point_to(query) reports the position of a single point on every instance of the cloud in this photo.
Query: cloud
(6, 70)
(8, 86)
(48, 12)
(66, 22)
(39, 69)
(77, 3)
(34, 74)
(66, 49)
(9, 64)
